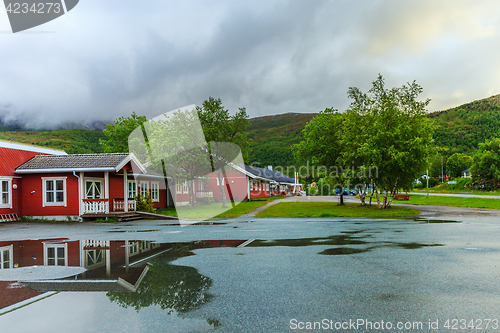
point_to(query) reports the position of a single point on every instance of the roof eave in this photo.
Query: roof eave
(26, 171)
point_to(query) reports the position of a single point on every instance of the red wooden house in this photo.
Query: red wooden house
(11, 156)
(86, 184)
(241, 183)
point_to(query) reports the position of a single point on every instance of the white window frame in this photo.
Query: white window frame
(155, 191)
(218, 183)
(178, 187)
(9, 248)
(267, 186)
(134, 191)
(200, 184)
(9, 192)
(185, 188)
(46, 246)
(93, 255)
(95, 180)
(144, 186)
(44, 194)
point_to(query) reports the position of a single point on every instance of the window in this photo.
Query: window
(178, 187)
(200, 185)
(94, 258)
(93, 189)
(132, 189)
(185, 187)
(55, 254)
(267, 186)
(5, 193)
(144, 189)
(155, 191)
(6, 257)
(54, 191)
(218, 183)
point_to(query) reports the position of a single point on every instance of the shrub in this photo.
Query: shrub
(144, 204)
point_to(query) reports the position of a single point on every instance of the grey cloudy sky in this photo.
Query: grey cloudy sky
(109, 58)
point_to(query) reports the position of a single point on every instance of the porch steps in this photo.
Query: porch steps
(129, 217)
(8, 217)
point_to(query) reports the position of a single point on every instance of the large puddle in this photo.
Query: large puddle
(206, 285)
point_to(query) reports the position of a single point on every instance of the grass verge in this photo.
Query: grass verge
(451, 201)
(328, 209)
(212, 210)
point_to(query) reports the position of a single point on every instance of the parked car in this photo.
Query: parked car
(344, 191)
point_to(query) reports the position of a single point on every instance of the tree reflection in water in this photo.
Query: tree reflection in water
(171, 287)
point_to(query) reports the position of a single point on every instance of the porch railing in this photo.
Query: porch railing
(95, 244)
(95, 206)
(204, 194)
(119, 205)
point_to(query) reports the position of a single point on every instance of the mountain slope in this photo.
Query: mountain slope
(73, 141)
(463, 128)
(273, 136)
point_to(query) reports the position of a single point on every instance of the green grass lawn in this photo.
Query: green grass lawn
(451, 201)
(215, 209)
(328, 209)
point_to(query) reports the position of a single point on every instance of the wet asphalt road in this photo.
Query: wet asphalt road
(343, 272)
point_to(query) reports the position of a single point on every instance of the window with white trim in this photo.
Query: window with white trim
(95, 258)
(219, 182)
(55, 254)
(144, 189)
(54, 191)
(5, 193)
(178, 187)
(200, 185)
(6, 257)
(267, 186)
(185, 188)
(155, 191)
(132, 189)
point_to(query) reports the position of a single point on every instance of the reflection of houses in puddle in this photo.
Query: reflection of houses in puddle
(29, 268)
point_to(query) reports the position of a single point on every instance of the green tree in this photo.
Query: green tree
(384, 138)
(221, 130)
(457, 163)
(117, 133)
(486, 162)
(396, 137)
(175, 144)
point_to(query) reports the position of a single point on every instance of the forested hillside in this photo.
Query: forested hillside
(272, 137)
(462, 129)
(459, 129)
(73, 141)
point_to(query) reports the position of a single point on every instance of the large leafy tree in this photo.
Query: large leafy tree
(117, 133)
(486, 163)
(221, 130)
(384, 137)
(457, 163)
